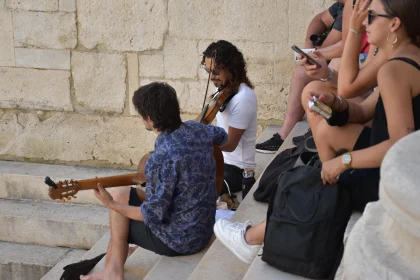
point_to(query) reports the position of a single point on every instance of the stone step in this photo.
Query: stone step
(260, 269)
(176, 267)
(262, 159)
(72, 257)
(52, 224)
(137, 265)
(219, 262)
(23, 180)
(28, 261)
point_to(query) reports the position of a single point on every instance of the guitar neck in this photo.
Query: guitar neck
(111, 181)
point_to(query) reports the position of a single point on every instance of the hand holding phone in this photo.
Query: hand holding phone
(308, 58)
(320, 108)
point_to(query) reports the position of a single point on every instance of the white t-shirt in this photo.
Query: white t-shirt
(241, 113)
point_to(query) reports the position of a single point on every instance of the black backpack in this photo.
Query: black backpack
(305, 224)
(283, 161)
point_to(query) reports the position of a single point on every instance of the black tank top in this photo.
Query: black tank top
(380, 124)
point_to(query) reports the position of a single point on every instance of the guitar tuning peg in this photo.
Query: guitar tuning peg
(69, 198)
(74, 196)
(63, 200)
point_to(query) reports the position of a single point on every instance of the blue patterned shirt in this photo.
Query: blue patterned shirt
(181, 186)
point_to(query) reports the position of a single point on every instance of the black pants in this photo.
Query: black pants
(141, 235)
(233, 176)
(362, 184)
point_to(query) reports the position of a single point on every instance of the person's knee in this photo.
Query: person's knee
(121, 194)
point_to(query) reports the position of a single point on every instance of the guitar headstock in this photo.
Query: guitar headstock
(63, 189)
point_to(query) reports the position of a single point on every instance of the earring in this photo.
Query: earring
(394, 42)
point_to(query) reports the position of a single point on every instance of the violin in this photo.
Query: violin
(216, 101)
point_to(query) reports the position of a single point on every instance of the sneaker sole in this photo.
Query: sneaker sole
(265, 151)
(226, 244)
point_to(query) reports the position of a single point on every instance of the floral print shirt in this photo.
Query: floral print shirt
(181, 186)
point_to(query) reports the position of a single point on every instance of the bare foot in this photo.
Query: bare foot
(131, 250)
(105, 274)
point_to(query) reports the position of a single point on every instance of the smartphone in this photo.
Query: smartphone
(320, 108)
(310, 59)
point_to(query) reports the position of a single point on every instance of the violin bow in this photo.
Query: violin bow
(213, 58)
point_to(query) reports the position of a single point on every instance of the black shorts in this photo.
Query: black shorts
(233, 176)
(141, 235)
(362, 184)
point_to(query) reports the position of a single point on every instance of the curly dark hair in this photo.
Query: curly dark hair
(158, 101)
(228, 57)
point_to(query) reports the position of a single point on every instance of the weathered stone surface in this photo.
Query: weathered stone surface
(91, 140)
(7, 57)
(30, 5)
(271, 101)
(131, 25)
(179, 87)
(67, 5)
(181, 58)
(35, 89)
(48, 59)
(261, 21)
(191, 100)
(133, 78)
(2, 3)
(44, 30)
(300, 15)
(151, 65)
(99, 81)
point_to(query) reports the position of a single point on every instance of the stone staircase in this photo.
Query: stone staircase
(40, 235)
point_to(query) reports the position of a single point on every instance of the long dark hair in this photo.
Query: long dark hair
(408, 12)
(158, 101)
(228, 57)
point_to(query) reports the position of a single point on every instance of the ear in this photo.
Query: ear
(395, 24)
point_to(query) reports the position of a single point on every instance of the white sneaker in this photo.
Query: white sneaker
(232, 235)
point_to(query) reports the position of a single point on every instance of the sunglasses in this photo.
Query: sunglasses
(372, 15)
(214, 72)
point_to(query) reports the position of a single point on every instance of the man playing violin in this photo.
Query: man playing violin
(238, 115)
(176, 214)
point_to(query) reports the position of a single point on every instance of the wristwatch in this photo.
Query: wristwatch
(330, 75)
(248, 173)
(346, 160)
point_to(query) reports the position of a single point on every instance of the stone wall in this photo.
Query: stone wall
(68, 68)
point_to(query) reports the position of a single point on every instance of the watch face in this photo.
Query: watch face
(346, 159)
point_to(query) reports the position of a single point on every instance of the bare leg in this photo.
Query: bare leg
(255, 235)
(114, 268)
(294, 110)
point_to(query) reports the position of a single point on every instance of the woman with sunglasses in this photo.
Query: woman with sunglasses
(391, 25)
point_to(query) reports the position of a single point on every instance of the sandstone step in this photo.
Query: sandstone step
(179, 268)
(71, 257)
(137, 265)
(260, 269)
(28, 261)
(262, 159)
(52, 224)
(22, 180)
(219, 262)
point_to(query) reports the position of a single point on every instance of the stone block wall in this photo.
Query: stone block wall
(68, 68)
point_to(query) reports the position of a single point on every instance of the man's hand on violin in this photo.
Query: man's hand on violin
(104, 196)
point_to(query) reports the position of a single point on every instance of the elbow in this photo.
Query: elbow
(345, 93)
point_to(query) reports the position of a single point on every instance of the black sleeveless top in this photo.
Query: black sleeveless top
(379, 127)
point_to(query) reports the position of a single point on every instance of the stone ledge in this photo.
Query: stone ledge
(22, 180)
(71, 257)
(27, 261)
(52, 224)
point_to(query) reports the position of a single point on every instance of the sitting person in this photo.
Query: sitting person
(226, 67)
(332, 47)
(395, 110)
(176, 214)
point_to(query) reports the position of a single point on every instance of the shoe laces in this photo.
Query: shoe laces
(240, 226)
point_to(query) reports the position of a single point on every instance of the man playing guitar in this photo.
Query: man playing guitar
(176, 214)
(238, 115)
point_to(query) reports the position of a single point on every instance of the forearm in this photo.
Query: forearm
(131, 212)
(350, 62)
(332, 51)
(370, 157)
(228, 147)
